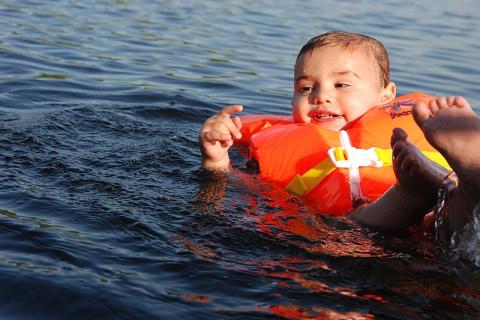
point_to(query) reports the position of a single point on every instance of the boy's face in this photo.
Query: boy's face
(334, 86)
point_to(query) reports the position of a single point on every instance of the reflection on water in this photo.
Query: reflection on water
(103, 209)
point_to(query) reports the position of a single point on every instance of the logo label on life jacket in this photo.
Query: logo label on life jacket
(401, 108)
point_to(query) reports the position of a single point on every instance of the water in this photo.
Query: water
(103, 211)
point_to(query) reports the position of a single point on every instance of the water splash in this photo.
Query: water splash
(465, 243)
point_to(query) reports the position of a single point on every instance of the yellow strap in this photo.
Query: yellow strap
(302, 184)
(385, 155)
(339, 154)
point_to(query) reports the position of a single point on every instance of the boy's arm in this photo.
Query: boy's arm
(216, 138)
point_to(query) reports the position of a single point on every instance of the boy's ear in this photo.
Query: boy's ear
(389, 92)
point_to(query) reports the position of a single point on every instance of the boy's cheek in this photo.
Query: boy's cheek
(297, 102)
(355, 113)
(297, 115)
(295, 107)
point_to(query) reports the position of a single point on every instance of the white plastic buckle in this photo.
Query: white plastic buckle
(356, 158)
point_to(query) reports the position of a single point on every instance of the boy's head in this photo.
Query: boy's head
(338, 77)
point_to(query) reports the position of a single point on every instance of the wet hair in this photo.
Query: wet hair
(352, 41)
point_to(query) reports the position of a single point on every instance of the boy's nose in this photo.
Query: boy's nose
(321, 97)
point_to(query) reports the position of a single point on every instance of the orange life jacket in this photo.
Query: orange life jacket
(332, 170)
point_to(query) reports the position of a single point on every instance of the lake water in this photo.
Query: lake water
(104, 213)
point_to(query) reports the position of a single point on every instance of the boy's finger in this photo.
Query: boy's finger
(229, 110)
(226, 144)
(227, 126)
(233, 128)
(213, 136)
(238, 122)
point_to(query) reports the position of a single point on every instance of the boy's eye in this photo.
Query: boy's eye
(341, 85)
(305, 89)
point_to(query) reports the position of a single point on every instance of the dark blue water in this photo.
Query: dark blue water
(104, 213)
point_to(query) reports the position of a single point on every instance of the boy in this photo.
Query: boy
(338, 77)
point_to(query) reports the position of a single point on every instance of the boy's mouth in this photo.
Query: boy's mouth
(322, 116)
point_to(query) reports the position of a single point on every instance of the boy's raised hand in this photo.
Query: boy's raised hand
(216, 137)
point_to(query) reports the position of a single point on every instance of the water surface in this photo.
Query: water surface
(104, 213)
